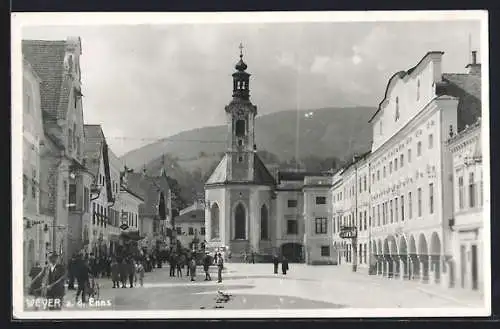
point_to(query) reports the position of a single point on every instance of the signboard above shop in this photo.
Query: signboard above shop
(348, 232)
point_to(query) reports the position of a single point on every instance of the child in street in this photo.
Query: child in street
(140, 273)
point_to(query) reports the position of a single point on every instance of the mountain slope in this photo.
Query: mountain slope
(338, 132)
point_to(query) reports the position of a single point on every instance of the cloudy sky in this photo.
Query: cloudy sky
(144, 82)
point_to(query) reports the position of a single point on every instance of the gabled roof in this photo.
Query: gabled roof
(262, 176)
(402, 75)
(149, 189)
(47, 60)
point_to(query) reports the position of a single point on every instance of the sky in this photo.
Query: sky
(146, 82)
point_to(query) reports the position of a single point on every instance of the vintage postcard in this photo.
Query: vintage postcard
(247, 165)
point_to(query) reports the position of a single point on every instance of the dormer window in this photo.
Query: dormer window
(396, 115)
(240, 128)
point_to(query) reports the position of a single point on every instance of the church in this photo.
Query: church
(248, 208)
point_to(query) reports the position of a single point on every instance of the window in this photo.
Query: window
(419, 202)
(383, 213)
(292, 203)
(401, 160)
(334, 225)
(385, 173)
(378, 175)
(321, 224)
(472, 191)
(325, 251)
(373, 178)
(190, 231)
(396, 210)
(179, 230)
(418, 90)
(410, 206)
(240, 128)
(391, 210)
(390, 167)
(409, 155)
(378, 215)
(402, 208)
(72, 197)
(431, 141)
(431, 198)
(364, 253)
(292, 227)
(461, 192)
(364, 221)
(360, 221)
(395, 164)
(396, 114)
(93, 213)
(202, 230)
(320, 200)
(360, 186)
(419, 149)
(364, 183)
(86, 199)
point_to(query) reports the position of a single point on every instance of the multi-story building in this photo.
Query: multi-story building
(467, 221)
(57, 64)
(318, 228)
(350, 208)
(155, 213)
(190, 226)
(409, 174)
(116, 167)
(35, 234)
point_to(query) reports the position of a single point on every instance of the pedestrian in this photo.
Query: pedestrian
(115, 273)
(220, 266)
(140, 273)
(179, 265)
(284, 265)
(245, 257)
(192, 268)
(37, 277)
(172, 265)
(188, 264)
(83, 273)
(55, 289)
(206, 266)
(71, 273)
(123, 273)
(131, 272)
(253, 257)
(276, 263)
(108, 267)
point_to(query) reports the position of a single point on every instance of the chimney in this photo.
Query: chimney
(474, 67)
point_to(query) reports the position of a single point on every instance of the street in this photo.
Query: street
(254, 286)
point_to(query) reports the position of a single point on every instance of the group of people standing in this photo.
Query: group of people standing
(179, 261)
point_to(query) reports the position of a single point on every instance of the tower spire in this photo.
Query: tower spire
(162, 172)
(241, 50)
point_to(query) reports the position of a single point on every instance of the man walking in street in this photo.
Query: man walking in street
(192, 268)
(55, 284)
(179, 264)
(206, 266)
(71, 273)
(131, 272)
(276, 263)
(82, 278)
(172, 264)
(115, 273)
(253, 257)
(123, 272)
(220, 266)
(284, 265)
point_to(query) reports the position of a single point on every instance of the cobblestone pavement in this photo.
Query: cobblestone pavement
(254, 286)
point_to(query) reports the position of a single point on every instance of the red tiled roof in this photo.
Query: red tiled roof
(47, 59)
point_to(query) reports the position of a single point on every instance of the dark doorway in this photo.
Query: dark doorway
(239, 223)
(474, 267)
(264, 225)
(292, 251)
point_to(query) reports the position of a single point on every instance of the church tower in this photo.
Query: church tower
(240, 120)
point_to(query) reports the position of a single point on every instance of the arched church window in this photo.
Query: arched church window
(239, 223)
(240, 128)
(214, 221)
(264, 223)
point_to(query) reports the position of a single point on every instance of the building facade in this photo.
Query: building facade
(239, 193)
(57, 64)
(467, 223)
(190, 226)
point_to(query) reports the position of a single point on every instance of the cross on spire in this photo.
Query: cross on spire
(241, 50)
